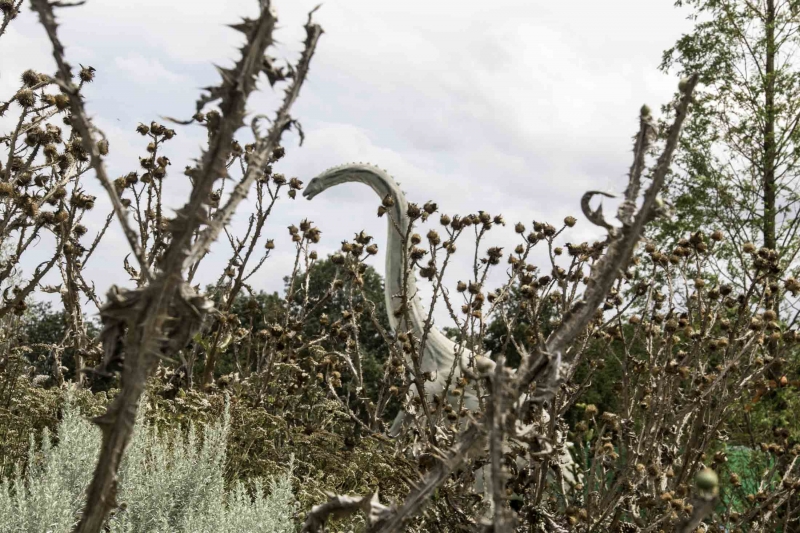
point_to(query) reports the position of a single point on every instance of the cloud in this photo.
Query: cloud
(515, 108)
(145, 71)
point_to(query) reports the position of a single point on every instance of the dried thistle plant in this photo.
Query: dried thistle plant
(157, 319)
(503, 441)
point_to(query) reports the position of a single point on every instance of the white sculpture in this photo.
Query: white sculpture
(439, 352)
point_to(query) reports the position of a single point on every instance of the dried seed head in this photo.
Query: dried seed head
(24, 179)
(83, 201)
(131, 178)
(444, 220)
(417, 253)
(50, 151)
(494, 253)
(87, 74)
(33, 137)
(570, 221)
(26, 98)
(749, 247)
(62, 102)
(119, 185)
(47, 217)
(387, 201)
(30, 78)
(362, 237)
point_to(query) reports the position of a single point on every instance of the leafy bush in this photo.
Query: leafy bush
(168, 482)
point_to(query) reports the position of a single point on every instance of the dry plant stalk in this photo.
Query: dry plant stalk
(543, 365)
(158, 319)
(692, 351)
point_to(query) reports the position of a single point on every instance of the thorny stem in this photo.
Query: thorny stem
(603, 276)
(158, 319)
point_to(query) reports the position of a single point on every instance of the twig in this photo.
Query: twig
(81, 122)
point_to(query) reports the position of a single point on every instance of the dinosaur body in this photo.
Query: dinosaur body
(440, 352)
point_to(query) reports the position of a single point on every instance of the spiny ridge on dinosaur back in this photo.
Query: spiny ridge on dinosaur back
(346, 165)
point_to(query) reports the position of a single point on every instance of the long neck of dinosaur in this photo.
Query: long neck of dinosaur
(384, 185)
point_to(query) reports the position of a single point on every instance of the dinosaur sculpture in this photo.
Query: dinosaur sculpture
(439, 352)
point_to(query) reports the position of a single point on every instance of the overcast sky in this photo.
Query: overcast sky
(507, 106)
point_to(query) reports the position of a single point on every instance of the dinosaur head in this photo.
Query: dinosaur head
(329, 178)
(313, 188)
(378, 179)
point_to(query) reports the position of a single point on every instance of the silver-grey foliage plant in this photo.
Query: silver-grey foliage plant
(168, 482)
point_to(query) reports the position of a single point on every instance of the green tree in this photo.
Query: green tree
(254, 313)
(739, 158)
(737, 166)
(44, 330)
(321, 276)
(259, 311)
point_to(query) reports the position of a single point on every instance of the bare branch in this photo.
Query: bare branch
(81, 122)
